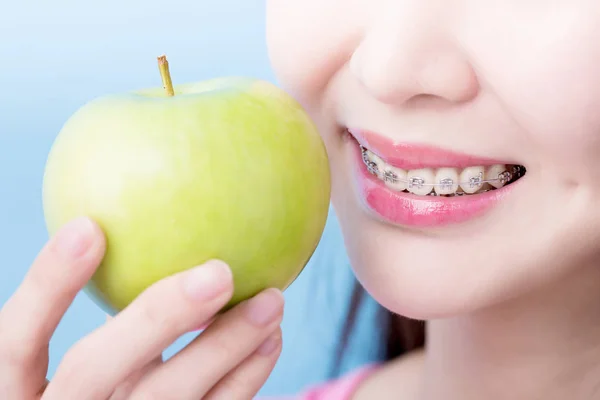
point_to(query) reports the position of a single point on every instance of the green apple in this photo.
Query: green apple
(229, 168)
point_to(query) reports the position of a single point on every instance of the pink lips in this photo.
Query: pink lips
(415, 156)
(412, 210)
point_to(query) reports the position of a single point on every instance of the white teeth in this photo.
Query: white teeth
(471, 179)
(493, 172)
(420, 181)
(447, 181)
(376, 160)
(394, 178)
(443, 181)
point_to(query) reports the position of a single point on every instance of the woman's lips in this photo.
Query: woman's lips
(414, 156)
(408, 209)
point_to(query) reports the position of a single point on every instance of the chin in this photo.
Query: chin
(420, 277)
(410, 274)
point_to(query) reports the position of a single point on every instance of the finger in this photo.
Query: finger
(245, 381)
(29, 318)
(40, 392)
(94, 367)
(59, 272)
(213, 354)
(124, 390)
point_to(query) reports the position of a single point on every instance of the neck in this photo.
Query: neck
(543, 346)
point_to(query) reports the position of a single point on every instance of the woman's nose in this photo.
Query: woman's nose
(406, 53)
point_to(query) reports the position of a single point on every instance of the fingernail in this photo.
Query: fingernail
(269, 345)
(75, 238)
(208, 280)
(265, 307)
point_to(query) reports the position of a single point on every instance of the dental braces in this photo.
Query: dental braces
(446, 183)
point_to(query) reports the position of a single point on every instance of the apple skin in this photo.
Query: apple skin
(229, 168)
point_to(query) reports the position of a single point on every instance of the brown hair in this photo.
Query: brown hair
(399, 335)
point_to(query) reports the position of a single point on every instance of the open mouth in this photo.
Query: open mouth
(445, 181)
(425, 186)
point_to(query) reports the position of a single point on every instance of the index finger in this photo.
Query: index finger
(62, 268)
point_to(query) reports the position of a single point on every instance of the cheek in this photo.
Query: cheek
(544, 71)
(308, 42)
(562, 119)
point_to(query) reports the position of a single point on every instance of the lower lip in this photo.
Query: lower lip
(407, 209)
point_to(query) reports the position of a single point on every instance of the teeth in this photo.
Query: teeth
(471, 179)
(420, 181)
(446, 180)
(394, 178)
(493, 172)
(376, 159)
(443, 181)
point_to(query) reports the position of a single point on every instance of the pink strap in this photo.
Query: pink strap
(341, 389)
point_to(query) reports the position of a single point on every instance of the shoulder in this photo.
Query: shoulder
(400, 377)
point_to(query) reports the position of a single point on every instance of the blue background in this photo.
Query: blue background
(55, 56)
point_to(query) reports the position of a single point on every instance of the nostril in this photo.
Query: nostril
(428, 101)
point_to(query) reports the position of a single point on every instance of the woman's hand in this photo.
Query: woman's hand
(230, 360)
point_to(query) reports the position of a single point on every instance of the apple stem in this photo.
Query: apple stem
(163, 67)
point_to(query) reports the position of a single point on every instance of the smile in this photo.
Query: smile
(448, 181)
(424, 186)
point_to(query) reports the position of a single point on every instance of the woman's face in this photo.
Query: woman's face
(446, 95)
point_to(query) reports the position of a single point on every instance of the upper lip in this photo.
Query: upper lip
(416, 156)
